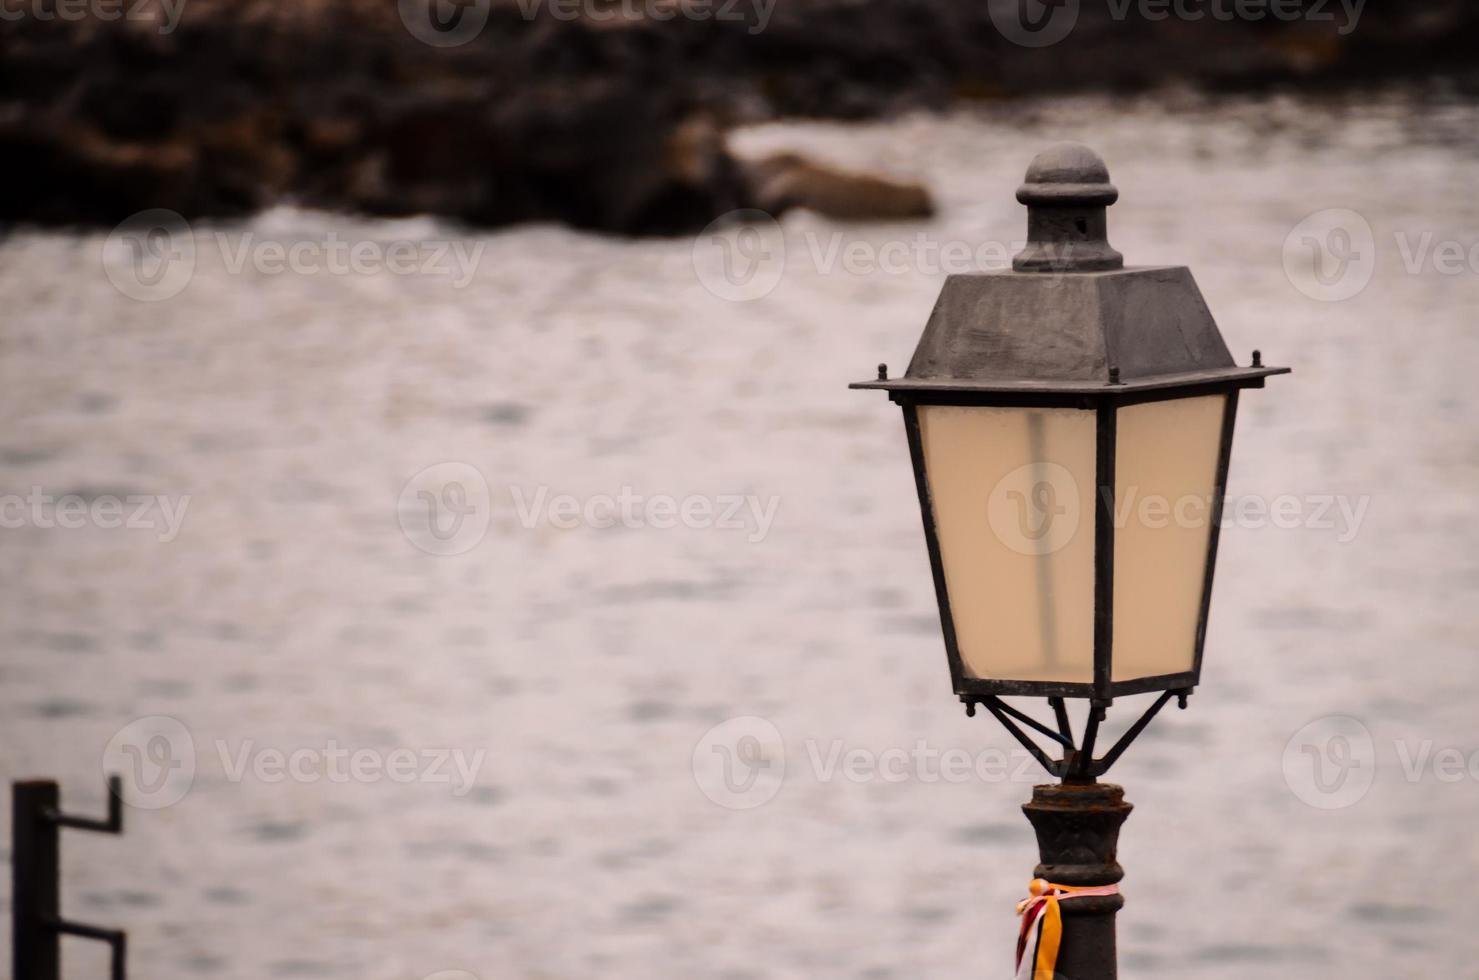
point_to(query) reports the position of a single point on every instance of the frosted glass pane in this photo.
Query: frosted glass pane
(1013, 496)
(1165, 475)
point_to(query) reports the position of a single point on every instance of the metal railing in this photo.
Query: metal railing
(36, 824)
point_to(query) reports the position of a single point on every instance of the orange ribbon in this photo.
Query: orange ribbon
(1041, 915)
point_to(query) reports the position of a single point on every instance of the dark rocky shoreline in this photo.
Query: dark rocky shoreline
(613, 124)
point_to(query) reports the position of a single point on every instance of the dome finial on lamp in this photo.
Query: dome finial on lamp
(1066, 191)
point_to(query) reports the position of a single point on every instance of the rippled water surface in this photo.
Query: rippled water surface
(292, 611)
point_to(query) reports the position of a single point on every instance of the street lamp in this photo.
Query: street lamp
(1070, 423)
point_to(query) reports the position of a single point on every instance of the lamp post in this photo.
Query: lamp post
(1070, 423)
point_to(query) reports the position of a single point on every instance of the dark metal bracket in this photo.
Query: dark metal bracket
(1078, 764)
(38, 926)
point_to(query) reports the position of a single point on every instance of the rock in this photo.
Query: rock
(787, 180)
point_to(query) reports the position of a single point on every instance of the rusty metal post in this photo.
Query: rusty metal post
(1078, 828)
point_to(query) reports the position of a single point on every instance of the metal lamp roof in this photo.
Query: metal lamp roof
(1069, 317)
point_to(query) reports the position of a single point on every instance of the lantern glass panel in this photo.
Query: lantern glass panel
(1012, 491)
(1165, 479)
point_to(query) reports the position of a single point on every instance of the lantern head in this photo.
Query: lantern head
(1070, 423)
